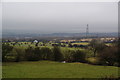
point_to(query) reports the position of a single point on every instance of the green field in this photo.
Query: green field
(49, 69)
(83, 43)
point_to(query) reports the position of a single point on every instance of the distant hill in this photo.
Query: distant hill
(22, 35)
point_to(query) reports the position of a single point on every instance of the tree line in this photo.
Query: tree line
(106, 55)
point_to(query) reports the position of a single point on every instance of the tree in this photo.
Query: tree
(37, 53)
(97, 46)
(79, 56)
(6, 48)
(32, 54)
(118, 50)
(46, 53)
(19, 53)
(68, 54)
(70, 45)
(37, 44)
(109, 55)
(58, 56)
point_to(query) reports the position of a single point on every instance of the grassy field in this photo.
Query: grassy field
(83, 43)
(49, 69)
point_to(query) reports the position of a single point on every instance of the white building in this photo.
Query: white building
(35, 41)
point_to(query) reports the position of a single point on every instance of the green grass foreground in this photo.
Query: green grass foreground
(49, 69)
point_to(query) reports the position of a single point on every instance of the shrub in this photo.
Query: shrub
(6, 48)
(69, 55)
(46, 54)
(109, 56)
(17, 53)
(32, 54)
(20, 54)
(58, 56)
(97, 46)
(79, 56)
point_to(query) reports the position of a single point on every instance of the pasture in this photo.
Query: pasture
(50, 69)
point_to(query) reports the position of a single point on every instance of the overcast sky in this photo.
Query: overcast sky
(52, 17)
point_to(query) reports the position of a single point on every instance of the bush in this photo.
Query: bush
(69, 55)
(109, 56)
(20, 54)
(97, 46)
(58, 56)
(46, 54)
(32, 54)
(16, 55)
(79, 56)
(6, 48)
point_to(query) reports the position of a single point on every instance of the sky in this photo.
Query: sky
(60, 17)
(60, 0)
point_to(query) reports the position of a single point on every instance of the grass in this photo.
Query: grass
(50, 69)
